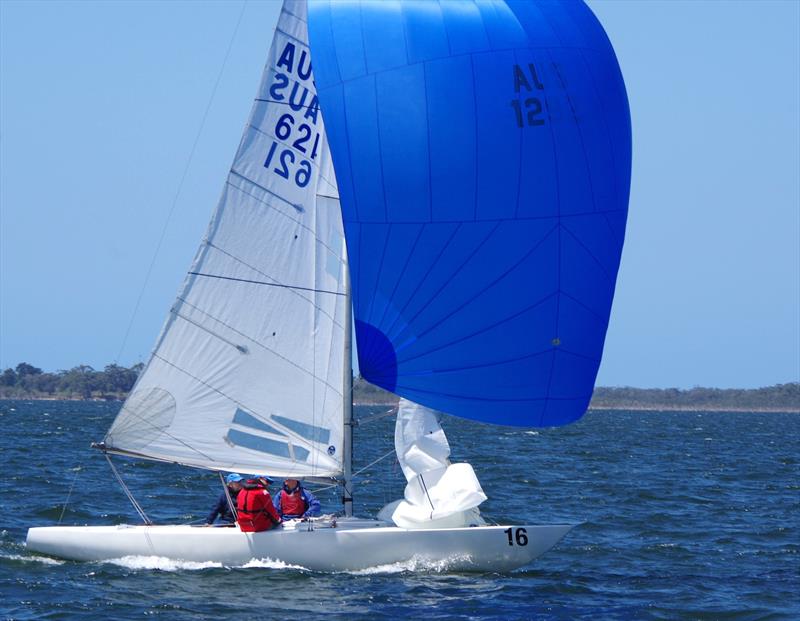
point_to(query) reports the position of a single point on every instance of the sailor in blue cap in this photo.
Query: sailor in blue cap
(222, 508)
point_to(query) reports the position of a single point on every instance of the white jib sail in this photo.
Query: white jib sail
(438, 493)
(247, 373)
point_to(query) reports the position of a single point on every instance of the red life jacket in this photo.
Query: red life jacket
(255, 509)
(293, 505)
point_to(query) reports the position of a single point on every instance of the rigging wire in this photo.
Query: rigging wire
(325, 487)
(369, 419)
(369, 465)
(128, 493)
(69, 494)
(180, 184)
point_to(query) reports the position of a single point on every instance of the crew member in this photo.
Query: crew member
(294, 501)
(222, 508)
(254, 506)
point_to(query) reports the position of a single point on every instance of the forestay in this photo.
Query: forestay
(483, 152)
(247, 373)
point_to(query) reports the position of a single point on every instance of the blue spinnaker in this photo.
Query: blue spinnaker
(483, 155)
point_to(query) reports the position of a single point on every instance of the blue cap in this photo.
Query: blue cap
(233, 478)
(266, 478)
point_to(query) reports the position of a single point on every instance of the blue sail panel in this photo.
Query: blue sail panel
(483, 150)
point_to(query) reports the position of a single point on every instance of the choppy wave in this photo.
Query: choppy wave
(32, 558)
(416, 564)
(162, 563)
(268, 563)
(669, 525)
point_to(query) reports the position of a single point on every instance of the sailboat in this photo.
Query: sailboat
(449, 180)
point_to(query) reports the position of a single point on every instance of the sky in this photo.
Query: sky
(119, 120)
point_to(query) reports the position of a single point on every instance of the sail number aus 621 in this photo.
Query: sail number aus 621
(286, 158)
(517, 535)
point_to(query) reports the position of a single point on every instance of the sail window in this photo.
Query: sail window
(248, 420)
(259, 443)
(309, 432)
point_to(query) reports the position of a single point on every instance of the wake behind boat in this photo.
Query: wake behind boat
(451, 179)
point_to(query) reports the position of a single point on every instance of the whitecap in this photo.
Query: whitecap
(162, 563)
(414, 565)
(268, 563)
(45, 560)
(531, 433)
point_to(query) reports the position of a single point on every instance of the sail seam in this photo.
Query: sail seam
(290, 36)
(236, 173)
(386, 239)
(298, 222)
(267, 284)
(611, 143)
(450, 278)
(231, 328)
(485, 329)
(380, 145)
(477, 137)
(431, 267)
(286, 103)
(576, 214)
(490, 284)
(589, 252)
(600, 318)
(491, 52)
(500, 362)
(402, 272)
(580, 132)
(255, 269)
(208, 330)
(272, 351)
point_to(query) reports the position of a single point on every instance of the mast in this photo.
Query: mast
(347, 492)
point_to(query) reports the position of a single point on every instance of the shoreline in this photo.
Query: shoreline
(688, 408)
(599, 408)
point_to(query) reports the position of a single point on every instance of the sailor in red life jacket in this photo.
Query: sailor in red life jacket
(293, 501)
(254, 508)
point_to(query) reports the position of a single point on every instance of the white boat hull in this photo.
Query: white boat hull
(351, 545)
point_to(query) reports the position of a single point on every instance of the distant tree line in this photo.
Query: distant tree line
(26, 381)
(364, 392)
(114, 382)
(778, 397)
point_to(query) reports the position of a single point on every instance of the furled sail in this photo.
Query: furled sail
(438, 494)
(247, 373)
(483, 153)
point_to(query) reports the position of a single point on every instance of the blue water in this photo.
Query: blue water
(686, 515)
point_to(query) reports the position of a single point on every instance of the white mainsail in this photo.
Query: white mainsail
(248, 371)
